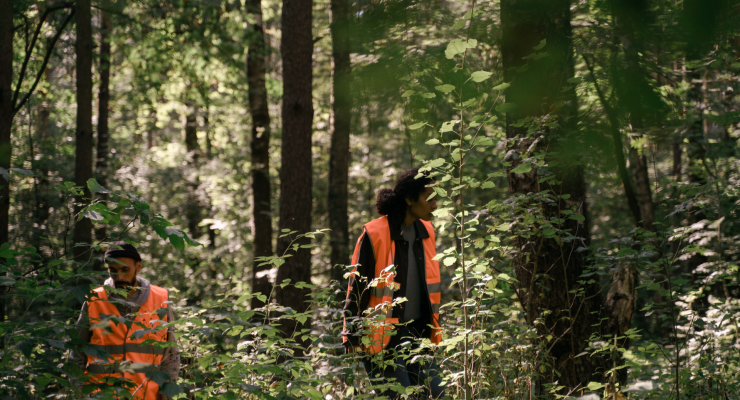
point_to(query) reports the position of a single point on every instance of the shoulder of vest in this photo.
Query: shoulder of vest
(377, 223)
(430, 228)
(159, 291)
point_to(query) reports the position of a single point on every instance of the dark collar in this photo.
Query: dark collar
(421, 231)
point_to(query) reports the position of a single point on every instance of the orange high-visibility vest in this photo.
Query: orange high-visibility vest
(129, 357)
(381, 296)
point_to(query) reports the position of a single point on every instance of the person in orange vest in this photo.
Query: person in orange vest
(119, 328)
(394, 259)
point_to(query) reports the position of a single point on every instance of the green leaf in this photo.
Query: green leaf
(459, 24)
(503, 227)
(506, 107)
(523, 168)
(428, 95)
(480, 76)
(408, 93)
(436, 163)
(447, 88)
(448, 126)
(432, 141)
(502, 86)
(592, 385)
(95, 187)
(488, 185)
(449, 261)
(93, 215)
(417, 125)
(170, 390)
(4, 174)
(441, 192)
(575, 79)
(457, 46)
(542, 44)
(22, 171)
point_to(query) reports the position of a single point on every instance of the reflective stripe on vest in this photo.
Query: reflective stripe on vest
(381, 295)
(120, 349)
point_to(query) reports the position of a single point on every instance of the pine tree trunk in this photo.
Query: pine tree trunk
(260, 146)
(296, 47)
(339, 157)
(84, 134)
(6, 121)
(101, 165)
(547, 279)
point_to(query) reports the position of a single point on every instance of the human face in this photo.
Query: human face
(421, 208)
(124, 272)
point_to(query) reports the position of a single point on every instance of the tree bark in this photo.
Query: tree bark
(193, 210)
(339, 156)
(260, 146)
(547, 271)
(101, 164)
(296, 47)
(6, 121)
(84, 134)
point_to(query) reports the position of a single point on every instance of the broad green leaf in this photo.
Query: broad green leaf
(542, 44)
(428, 95)
(416, 126)
(436, 163)
(447, 88)
(408, 93)
(480, 76)
(488, 185)
(459, 24)
(447, 126)
(441, 192)
(449, 261)
(506, 107)
(22, 171)
(593, 385)
(575, 79)
(95, 187)
(457, 46)
(432, 141)
(523, 168)
(93, 215)
(502, 86)
(503, 227)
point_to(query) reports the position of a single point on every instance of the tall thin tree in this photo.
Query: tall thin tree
(101, 162)
(296, 48)
(84, 132)
(342, 118)
(548, 281)
(6, 122)
(260, 146)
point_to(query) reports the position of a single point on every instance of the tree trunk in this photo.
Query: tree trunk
(295, 174)
(6, 121)
(84, 135)
(43, 114)
(193, 210)
(101, 165)
(260, 146)
(339, 157)
(547, 279)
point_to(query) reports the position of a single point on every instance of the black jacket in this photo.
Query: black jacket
(358, 299)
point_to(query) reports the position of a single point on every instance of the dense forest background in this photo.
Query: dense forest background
(586, 163)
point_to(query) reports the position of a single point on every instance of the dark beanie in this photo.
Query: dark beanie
(122, 249)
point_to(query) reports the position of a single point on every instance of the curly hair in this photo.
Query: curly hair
(392, 202)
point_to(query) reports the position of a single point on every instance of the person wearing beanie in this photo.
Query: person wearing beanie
(396, 253)
(127, 351)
